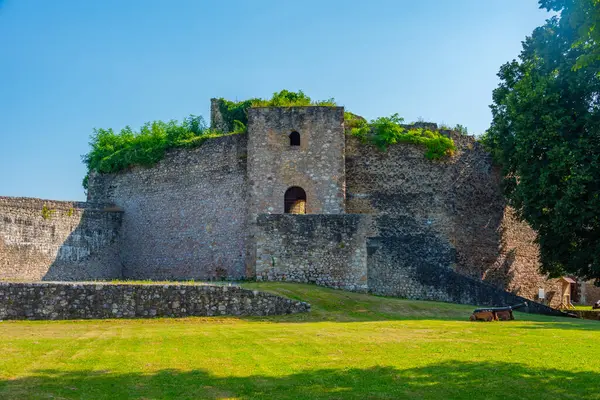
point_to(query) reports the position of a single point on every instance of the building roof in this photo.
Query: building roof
(567, 279)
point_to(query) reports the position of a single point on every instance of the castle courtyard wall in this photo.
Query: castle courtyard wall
(58, 240)
(185, 217)
(42, 301)
(383, 221)
(458, 199)
(328, 250)
(589, 293)
(406, 266)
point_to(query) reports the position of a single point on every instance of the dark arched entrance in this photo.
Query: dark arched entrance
(295, 200)
(294, 139)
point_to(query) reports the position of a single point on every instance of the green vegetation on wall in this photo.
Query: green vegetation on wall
(236, 112)
(113, 152)
(47, 213)
(385, 131)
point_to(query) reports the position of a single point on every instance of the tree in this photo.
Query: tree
(545, 133)
(583, 17)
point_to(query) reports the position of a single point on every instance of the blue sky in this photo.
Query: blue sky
(67, 66)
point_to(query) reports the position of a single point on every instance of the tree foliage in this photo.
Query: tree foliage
(583, 17)
(546, 135)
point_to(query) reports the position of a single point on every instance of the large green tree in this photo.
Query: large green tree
(546, 135)
(583, 16)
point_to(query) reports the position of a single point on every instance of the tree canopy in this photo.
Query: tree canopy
(546, 135)
(583, 16)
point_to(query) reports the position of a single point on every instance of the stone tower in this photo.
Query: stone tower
(296, 163)
(296, 150)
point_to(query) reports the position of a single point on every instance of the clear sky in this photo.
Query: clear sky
(67, 66)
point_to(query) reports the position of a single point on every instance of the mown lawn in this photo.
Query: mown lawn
(350, 346)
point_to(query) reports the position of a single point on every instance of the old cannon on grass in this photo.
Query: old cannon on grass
(495, 313)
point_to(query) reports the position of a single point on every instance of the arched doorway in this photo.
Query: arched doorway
(294, 139)
(295, 200)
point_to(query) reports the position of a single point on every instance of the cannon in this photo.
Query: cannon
(495, 313)
(596, 305)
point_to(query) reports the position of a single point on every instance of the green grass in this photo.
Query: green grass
(584, 308)
(350, 346)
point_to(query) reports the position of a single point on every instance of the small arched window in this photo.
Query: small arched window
(295, 200)
(294, 139)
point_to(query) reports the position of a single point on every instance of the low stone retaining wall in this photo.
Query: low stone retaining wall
(57, 300)
(586, 314)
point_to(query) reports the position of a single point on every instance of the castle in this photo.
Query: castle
(293, 199)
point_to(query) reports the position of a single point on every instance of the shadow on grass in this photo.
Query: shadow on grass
(453, 379)
(573, 324)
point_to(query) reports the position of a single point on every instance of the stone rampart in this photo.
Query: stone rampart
(215, 212)
(395, 269)
(589, 293)
(49, 240)
(458, 199)
(105, 300)
(185, 217)
(328, 250)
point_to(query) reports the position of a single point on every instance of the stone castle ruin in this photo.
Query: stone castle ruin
(293, 199)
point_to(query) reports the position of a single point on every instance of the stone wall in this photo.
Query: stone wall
(587, 314)
(328, 250)
(274, 166)
(49, 240)
(517, 265)
(184, 218)
(458, 199)
(412, 267)
(216, 117)
(95, 300)
(317, 165)
(589, 293)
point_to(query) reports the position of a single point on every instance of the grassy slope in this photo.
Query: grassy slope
(350, 346)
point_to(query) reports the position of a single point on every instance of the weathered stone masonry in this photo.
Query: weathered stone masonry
(184, 218)
(405, 266)
(274, 165)
(455, 204)
(389, 222)
(102, 300)
(47, 240)
(329, 250)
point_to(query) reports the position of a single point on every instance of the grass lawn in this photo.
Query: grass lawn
(585, 308)
(350, 346)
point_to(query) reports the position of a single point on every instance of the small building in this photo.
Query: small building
(567, 285)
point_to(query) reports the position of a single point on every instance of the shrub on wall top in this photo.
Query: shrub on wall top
(385, 131)
(232, 111)
(112, 152)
